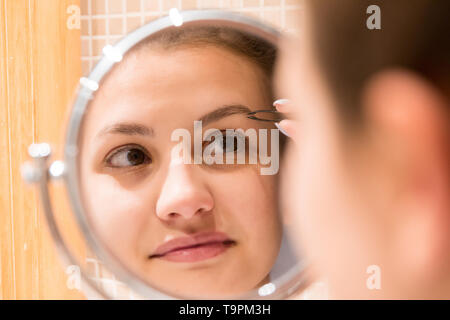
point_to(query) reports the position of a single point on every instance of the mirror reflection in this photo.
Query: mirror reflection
(178, 180)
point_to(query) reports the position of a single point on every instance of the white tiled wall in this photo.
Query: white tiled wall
(106, 21)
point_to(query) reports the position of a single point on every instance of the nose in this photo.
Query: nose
(183, 194)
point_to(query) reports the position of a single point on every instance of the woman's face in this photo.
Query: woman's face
(150, 208)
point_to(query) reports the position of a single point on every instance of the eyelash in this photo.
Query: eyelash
(224, 135)
(129, 147)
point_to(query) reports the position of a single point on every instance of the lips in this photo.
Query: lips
(198, 247)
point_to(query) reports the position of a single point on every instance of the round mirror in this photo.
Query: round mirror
(173, 156)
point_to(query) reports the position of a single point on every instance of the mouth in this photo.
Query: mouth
(198, 247)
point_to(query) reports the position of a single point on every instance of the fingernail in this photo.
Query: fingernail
(281, 129)
(281, 101)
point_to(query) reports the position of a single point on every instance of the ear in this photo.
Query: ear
(411, 119)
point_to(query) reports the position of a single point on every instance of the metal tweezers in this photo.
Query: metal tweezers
(273, 115)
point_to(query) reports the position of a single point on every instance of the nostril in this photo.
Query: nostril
(202, 210)
(176, 214)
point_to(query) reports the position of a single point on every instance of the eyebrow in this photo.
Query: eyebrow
(130, 129)
(223, 112)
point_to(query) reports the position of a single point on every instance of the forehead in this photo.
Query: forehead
(187, 81)
(155, 70)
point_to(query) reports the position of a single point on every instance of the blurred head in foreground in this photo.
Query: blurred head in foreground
(367, 185)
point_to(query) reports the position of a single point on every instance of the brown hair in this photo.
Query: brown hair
(414, 34)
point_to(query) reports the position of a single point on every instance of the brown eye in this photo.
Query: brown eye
(227, 142)
(136, 157)
(128, 157)
(230, 143)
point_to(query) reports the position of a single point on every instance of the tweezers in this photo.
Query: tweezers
(278, 116)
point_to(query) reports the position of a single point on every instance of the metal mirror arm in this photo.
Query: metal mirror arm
(38, 172)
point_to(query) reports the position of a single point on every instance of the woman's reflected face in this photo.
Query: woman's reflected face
(186, 228)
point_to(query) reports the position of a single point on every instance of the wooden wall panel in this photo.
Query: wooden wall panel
(39, 68)
(6, 235)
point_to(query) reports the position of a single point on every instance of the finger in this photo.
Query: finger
(281, 129)
(282, 105)
(287, 127)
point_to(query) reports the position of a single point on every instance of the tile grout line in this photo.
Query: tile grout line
(141, 11)
(107, 21)
(124, 20)
(261, 9)
(90, 33)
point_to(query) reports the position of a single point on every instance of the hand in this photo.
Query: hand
(287, 126)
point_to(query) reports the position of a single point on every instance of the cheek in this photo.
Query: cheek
(247, 205)
(115, 211)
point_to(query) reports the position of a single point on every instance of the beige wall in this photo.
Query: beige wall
(105, 21)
